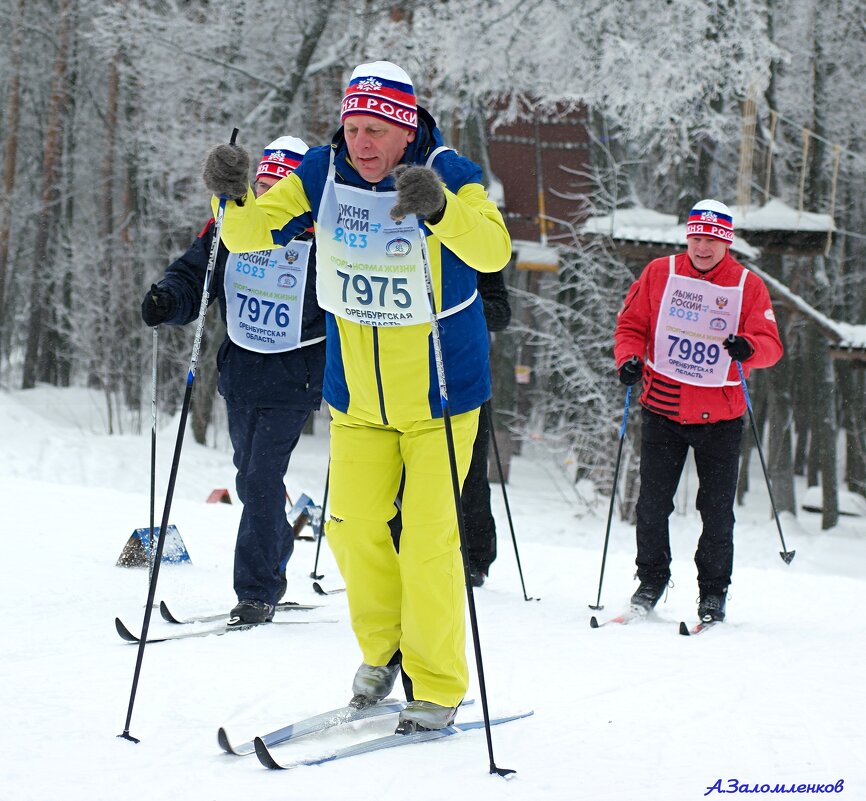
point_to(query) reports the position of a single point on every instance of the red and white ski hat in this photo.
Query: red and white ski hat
(381, 89)
(281, 157)
(711, 218)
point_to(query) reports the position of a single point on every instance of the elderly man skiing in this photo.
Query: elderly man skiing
(385, 181)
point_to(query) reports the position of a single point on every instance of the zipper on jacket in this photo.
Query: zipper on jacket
(376, 362)
(378, 370)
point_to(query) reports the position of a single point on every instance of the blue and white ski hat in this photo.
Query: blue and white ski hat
(381, 89)
(711, 218)
(281, 157)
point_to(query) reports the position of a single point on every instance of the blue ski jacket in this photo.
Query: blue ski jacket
(388, 374)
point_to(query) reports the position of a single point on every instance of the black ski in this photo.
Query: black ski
(127, 635)
(285, 606)
(631, 615)
(698, 628)
(325, 720)
(368, 746)
(320, 590)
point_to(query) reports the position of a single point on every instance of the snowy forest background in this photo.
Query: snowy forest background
(107, 109)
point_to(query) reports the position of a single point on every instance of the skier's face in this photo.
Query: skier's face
(375, 146)
(705, 252)
(263, 183)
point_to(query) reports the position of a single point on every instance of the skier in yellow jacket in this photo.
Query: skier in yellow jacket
(380, 376)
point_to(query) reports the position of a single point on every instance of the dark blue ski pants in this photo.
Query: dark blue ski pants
(263, 441)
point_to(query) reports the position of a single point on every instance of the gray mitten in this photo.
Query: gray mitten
(419, 191)
(226, 171)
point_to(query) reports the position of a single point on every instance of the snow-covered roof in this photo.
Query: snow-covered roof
(853, 336)
(649, 226)
(531, 255)
(639, 224)
(775, 215)
(845, 336)
(496, 191)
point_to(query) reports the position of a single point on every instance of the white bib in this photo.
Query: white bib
(369, 268)
(694, 318)
(264, 294)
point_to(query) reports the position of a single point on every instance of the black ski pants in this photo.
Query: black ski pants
(477, 516)
(263, 439)
(664, 447)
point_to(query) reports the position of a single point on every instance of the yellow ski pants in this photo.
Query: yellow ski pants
(413, 601)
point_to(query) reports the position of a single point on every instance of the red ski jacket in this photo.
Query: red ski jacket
(635, 336)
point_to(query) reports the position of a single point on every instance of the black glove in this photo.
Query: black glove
(226, 171)
(738, 348)
(419, 191)
(158, 305)
(631, 371)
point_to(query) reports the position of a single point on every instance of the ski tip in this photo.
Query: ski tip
(264, 755)
(593, 622)
(516, 716)
(244, 749)
(167, 616)
(223, 740)
(684, 629)
(423, 734)
(124, 632)
(318, 588)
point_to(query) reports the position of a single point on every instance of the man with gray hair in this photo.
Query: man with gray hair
(383, 183)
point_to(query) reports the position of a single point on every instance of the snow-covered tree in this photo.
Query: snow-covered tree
(149, 86)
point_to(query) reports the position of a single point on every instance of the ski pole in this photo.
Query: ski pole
(190, 380)
(598, 604)
(489, 410)
(787, 556)
(152, 454)
(455, 485)
(315, 575)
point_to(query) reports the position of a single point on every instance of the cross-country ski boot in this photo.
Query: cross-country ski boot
(424, 716)
(372, 683)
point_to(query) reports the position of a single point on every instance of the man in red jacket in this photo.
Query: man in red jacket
(683, 324)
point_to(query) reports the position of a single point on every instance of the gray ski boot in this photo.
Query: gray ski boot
(372, 683)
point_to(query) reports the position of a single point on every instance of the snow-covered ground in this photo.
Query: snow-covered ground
(775, 696)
